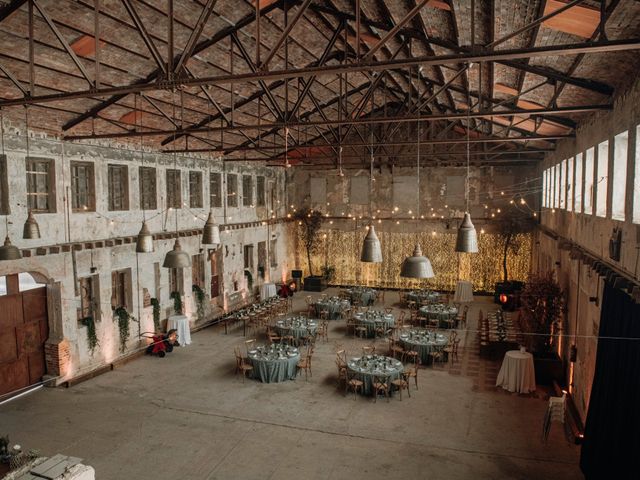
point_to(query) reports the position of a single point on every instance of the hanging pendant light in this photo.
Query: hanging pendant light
(144, 243)
(371, 249)
(31, 229)
(176, 258)
(417, 265)
(211, 232)
(467, 239)
(8, 251)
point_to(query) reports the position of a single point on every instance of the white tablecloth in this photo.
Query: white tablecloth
(517, 373)
(464, 292)
(267, 290)
(181, 324)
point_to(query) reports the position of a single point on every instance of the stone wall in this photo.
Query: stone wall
(591, 233)
(74, 245)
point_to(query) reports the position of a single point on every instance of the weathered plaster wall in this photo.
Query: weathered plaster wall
(74, 242)
(592, 233)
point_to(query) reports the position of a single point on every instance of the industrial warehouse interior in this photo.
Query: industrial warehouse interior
(319, 239)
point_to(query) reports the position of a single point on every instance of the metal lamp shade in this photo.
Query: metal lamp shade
(210, 232)
(371, 250)
(144, 243)
(467, 240)
(31, 229)
(417, 266)
(176, 258)
(8, 251)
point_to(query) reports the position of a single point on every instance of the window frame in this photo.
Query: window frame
(232, 190)
(76, 205)
(247, 190)
(111, 169)
(173, 188)
(145, 188)
(195, 189)
(261, 191)
(215, 190)
(50, 182)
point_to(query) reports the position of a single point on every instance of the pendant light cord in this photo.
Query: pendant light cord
(2, 129)
(466, 186)
(418, 156)
(175, 158)
(144, 215)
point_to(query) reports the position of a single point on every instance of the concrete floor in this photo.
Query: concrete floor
(187, 416)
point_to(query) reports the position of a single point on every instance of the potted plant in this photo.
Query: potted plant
(309, 224)
(542, 304)
(123, 317)
(177, 302)
(510, 224)
(92, 337)
(200, 298)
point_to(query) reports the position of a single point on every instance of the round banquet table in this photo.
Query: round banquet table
(423, 296)
(181, 324)
(366, 296)
(365, 368)
(267, 290)
(517, 373)
(424, 342)
(441, 312)
(333, 305)
(274, 363)
(297, 326)
(370, 318)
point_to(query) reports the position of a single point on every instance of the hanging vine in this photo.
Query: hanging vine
(200, 298)
(123, 318)
(156, 314)
(177, 302)
(92, 337)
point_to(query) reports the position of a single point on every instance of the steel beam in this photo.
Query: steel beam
(373, 120)
(148, 41)
(154, 75)
(13, 79)
(391, 33)
(503, 55)
(195, 35)
(285, 33)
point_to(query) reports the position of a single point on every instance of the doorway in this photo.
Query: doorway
(24, 329)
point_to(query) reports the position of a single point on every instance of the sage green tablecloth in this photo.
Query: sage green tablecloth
(296, 326)
(441, 312)
(423, 341)
(423, 295)
(274, 363)
(369, 319)
(365, 368)
(333, 305)
(366, 296)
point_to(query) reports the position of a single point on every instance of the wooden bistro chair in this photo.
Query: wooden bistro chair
(402, 383)
(351, 326)
(380, 384)
(360, 330)
(242, 366)
(272, 336)
(341, 358)
(323, 331)
(249, 344)
(452, 350)
(395, 349)
(305, 364)
(368, 350)
(353, 383)
(410, 356)
(413, 372)
(342, 373)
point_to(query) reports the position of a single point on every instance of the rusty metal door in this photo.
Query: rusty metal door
(23, 331)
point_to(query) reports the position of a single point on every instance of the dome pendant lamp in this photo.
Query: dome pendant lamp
(371, 249)
(417, 265)
(31, 230)
(176, 258)
(467, 239)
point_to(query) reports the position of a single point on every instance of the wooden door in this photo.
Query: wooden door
(23, 331)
